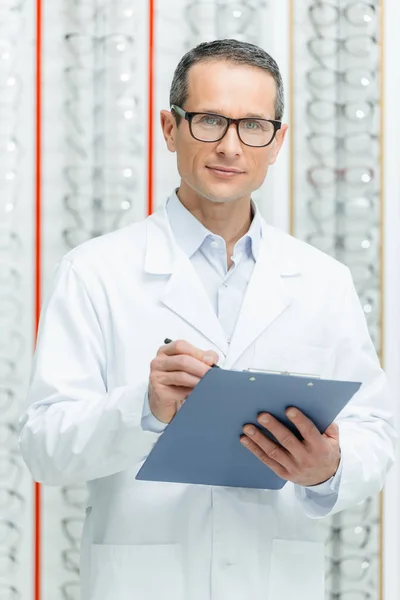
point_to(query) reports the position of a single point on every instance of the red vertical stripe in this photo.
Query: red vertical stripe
(37, 298)
(150, 133)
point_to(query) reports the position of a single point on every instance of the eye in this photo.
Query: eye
(252, 125)
(210, 120)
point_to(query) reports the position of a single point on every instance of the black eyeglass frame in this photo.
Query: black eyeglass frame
(190, 115)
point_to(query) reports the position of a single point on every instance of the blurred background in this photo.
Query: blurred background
(81, 153)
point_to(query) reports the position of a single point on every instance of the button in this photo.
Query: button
(227, 564)
(214, 244)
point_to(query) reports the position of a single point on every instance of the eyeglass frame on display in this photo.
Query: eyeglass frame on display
(338, 77)
(338, 12)
(341, 42)
(72, 488)
(11, 458)
(340, 108)
(12, 526)
(340, 142)
(339, 175)
(337, 562)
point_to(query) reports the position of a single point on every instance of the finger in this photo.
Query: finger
(268, 447)
(177, 378)
(306, 427)
(183, 347)
(180, 362)
(284, 436)
(263, 457)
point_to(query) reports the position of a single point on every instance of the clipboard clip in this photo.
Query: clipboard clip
(306, 375)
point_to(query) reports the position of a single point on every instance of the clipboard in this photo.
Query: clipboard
(201, 444)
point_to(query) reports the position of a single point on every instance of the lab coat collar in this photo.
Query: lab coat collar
(190, 233)
(267, 296)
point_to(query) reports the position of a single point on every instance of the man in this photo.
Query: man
(208, 272)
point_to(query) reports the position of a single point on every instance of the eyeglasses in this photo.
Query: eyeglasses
(10, 151)
(325, 110)
(122, 112)
(364, 275)
(323, 145)
(11, 502)
(210, 127)
(8, 120)
(115, 83)
(12, 4)
(75, 496)
(350, 568)
(231, 18)
(75, 236)
(70, 560)
(8, 436)
(109, 180)
(10, 310)
(360, 14)
(360, 46)
(7, 398)
(106, 212)
(70, 590)
(357, 245)
(122, 13)
(9, 592)
(353, 536)
(10, 242)
(323, 78)
(10, 535)
(10, 89)
(72, 528)
(329, 176)
(8, 563)
(10, 471)
(12, 343)
(8, 55)
(360, 211)
(10, 277)
(113, 47)
(117, 142)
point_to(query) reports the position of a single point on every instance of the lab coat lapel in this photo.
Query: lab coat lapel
(267, 296)
(184, 293)
(186, 296)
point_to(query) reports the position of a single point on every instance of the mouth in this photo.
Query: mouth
(225, 172)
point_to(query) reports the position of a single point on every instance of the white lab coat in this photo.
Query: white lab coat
(113, 302)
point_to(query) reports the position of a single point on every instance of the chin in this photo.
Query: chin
(220, 197)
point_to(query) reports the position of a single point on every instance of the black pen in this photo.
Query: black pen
(168, 341)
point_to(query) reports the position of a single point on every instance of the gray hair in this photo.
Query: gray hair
(230, 50)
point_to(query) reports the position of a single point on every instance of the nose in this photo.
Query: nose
(230, 145)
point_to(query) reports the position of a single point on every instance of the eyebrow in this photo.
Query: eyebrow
(217, 112)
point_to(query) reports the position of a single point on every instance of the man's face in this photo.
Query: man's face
(233, 91)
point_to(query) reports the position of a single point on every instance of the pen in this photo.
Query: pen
(168, 341)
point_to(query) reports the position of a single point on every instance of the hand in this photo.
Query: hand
(308, 462)
(174, 372)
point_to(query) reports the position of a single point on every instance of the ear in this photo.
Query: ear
(277, 143)
(168, 126)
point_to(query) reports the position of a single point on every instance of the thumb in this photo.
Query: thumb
(210, 357)
(332, 431)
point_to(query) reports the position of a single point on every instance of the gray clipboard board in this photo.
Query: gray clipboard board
(201, 444)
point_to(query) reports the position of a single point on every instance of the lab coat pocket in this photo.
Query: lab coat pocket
(302, 359)
(296, 570)
(141, 572)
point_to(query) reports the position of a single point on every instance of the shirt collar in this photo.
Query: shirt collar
(190, 234)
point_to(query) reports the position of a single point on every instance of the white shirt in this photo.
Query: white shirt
(225, 289)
